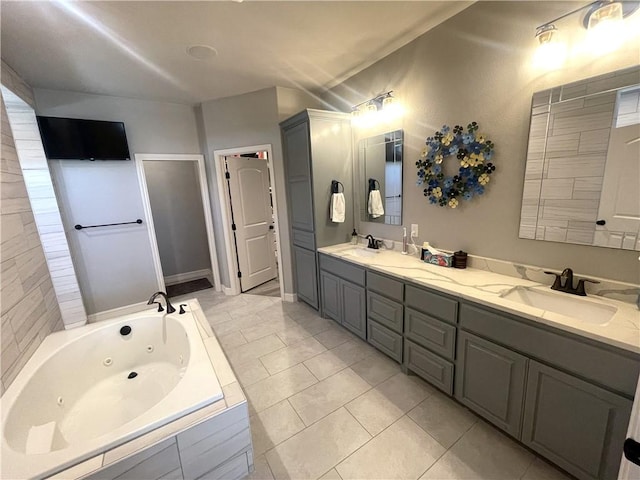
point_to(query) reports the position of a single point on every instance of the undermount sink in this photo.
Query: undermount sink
(578, 308)
(362, 252)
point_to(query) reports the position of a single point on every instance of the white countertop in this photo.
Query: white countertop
(483, 287)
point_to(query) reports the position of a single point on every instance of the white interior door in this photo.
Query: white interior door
(252, 215)
(628, 469)
(620, 198)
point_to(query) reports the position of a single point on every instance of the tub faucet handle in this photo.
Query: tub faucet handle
(160, 308)
(182, 310)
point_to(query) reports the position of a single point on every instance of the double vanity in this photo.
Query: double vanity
(555, 371)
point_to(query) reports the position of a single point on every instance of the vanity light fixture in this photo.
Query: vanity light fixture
(605, 31)
(384, 102)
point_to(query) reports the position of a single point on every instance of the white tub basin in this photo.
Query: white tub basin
(579, 308)
(362, 252)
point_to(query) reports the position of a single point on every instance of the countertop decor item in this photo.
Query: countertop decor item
(473, 152)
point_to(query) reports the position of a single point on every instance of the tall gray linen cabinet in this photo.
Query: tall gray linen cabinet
(317, 149)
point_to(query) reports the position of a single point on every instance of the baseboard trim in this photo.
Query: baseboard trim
(227, 291)
(188, 276)
(290, 297)
(117, 312)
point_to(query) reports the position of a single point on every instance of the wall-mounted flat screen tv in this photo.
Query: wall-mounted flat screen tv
(76, 139)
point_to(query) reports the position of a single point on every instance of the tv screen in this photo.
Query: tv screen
(76, 139)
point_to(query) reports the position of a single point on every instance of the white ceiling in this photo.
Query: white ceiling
(137, 49)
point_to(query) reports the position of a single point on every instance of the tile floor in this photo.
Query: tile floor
(325, 404)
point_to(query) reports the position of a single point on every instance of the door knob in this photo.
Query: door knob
(601, 222)
(631, 450)
(271, 227)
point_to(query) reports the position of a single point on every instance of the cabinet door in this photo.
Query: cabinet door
(330, 295)
(306, 275)
(573, 423)
(490, 380)
(354, 310)
(298, 163)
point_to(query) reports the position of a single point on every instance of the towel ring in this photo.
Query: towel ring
(335, 186)
(372, 184)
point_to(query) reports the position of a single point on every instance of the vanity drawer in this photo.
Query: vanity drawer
(385, 340)
(388, 287)
(385, 311)
(437, 336)
(432, 304)
(610, 367)
(303, 239)
(429, 366)
(345, 270)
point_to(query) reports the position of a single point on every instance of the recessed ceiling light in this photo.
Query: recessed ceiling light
(202, 52)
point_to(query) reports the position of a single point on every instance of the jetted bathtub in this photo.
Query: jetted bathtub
(92, 388)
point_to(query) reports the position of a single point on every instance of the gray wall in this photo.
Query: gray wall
(28, 303)
(477, 67)
(241, 121)
(114, 265)
(178, 216)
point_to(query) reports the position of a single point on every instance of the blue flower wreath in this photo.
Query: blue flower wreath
(473, 152)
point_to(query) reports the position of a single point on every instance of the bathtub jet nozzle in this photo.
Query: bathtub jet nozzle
(132, 375)
(170, 308)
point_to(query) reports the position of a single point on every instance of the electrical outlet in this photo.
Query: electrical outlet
(414, 230)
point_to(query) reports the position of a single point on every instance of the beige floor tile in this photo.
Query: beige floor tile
(254, 306)
(234, 325)
(443, 418)
(376, 368)
(353, 351)
(325, 365)
(252, 350)
(267, 327)
(374, 411)
(315, 450)
(331, 475)
(261, 469)
(231, 340)
(276, 388)
(541, 470)
(273, 426)
(292, 355)
(291, 335)
(315, 325)
(402, 451)
(405, 391)
(328, 395)
(250, 372)
(482, 452)
(334, 336)
(216, 317)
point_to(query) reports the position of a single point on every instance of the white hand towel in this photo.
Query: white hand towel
(337, 208)
(375, 204)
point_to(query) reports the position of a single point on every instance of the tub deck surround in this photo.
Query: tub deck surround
(485, 287)
(210, 434)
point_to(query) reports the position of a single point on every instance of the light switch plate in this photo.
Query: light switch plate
(414, 230)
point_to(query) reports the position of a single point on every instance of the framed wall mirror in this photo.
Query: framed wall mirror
(380, 173)
(582, 177)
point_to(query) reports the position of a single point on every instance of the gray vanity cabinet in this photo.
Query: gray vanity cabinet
(317, 149)
(490, 380)
(577, 425)
(342, 294)
(385, 319)
(430, 336)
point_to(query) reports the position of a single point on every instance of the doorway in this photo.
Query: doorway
(177, 205)
(249, 211)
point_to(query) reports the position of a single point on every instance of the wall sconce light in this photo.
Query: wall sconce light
(605, 32)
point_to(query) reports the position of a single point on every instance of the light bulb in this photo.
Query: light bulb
(551, 53)
(606, 31)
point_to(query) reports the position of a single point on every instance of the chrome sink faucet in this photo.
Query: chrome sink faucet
(567, 285)
(170, 308)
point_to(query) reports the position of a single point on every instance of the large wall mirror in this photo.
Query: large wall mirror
(380, 162)
(582, 178)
